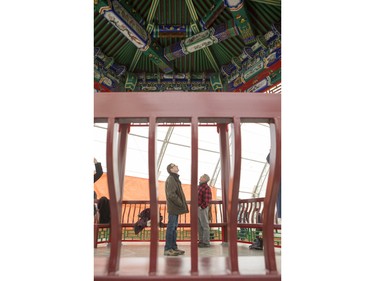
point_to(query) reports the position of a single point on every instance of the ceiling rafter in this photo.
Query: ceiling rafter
(268, 2)
(196, 30)
(149, 28)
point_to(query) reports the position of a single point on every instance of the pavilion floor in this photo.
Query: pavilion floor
(134, 260)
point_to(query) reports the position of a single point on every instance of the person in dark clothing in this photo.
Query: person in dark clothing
(104, 210)
(96, 213)
(176, 205)
(98, 173)
(144, 220)
(204, 199)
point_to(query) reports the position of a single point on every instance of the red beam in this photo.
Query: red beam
(101, 88)
(176, 105)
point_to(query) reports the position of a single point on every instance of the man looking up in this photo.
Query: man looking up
(204, 199)
(176, 205)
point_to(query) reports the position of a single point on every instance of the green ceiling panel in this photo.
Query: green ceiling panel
(262, 14)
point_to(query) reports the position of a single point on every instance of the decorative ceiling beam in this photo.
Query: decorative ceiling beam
(264, 45)
(128, 24)
(201, 40)
(150, 17)
(237, 8)
(212, 15)
(111, 77)
(194, 26)
(172, 31)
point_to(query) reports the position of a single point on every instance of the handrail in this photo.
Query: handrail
(250, 212)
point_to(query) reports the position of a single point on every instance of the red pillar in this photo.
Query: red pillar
(153, 187)
(273, 186)
(194, 196)
(234, 186)
(225, 168)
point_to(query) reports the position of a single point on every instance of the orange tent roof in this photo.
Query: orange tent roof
(137, 189)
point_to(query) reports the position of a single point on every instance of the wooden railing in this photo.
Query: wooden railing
(250, 212)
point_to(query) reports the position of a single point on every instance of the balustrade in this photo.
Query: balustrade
(250, 213)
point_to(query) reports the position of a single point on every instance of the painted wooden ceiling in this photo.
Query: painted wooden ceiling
(158, 45)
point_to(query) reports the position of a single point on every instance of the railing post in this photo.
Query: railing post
(115, 196)
(234, 186)
(273, 185)
(96, 230)
(225, 169)
(194, 196)
(153, 188)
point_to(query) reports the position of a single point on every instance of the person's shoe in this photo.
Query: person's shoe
(171, 252)
(203, 245)
(180, 252)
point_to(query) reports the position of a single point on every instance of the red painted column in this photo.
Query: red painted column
(225, 169)
(153, 187)
(273, 186)
(123, 141)
(234, 186)
(194, 196)
(121, 160)
(115, 197)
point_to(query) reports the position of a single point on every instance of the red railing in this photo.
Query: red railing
(250, 212)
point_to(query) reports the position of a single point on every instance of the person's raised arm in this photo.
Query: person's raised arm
(98, 170)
